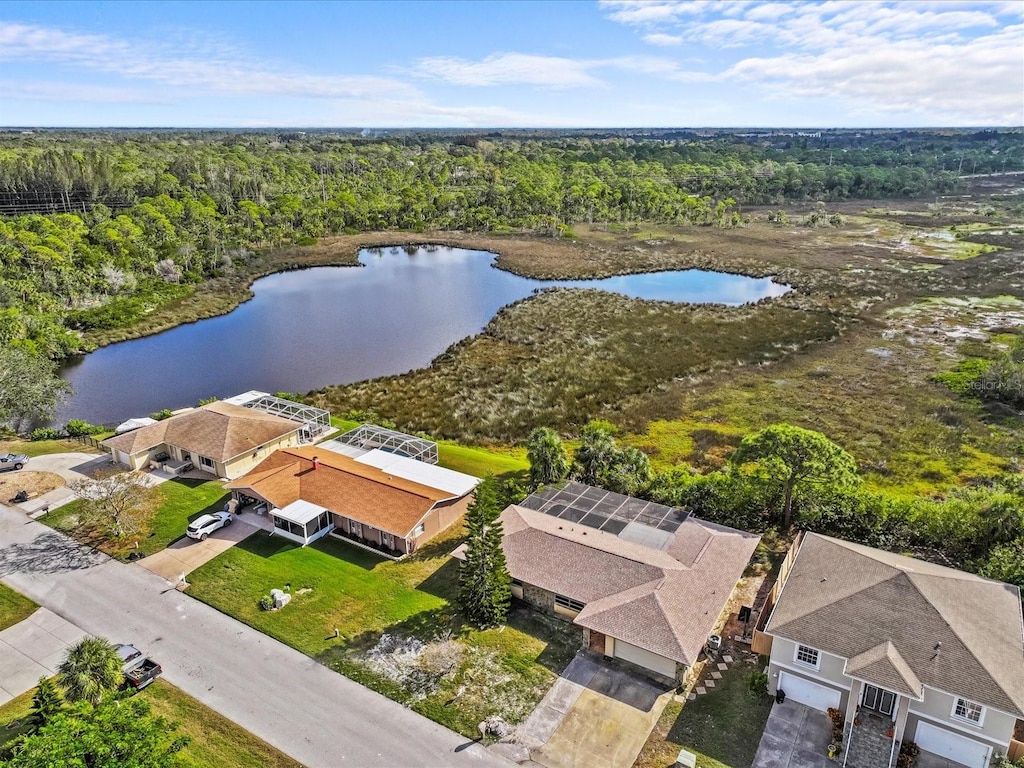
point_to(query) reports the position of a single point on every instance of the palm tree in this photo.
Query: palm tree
(91, 669)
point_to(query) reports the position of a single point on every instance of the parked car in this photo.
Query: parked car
(138, 670)
(12, 461)
(203, 526)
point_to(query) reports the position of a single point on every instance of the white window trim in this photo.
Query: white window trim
(206, 461)
(419, 530)
(966, 720)
(806, 665)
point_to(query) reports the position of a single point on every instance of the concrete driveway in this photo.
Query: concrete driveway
(795, 736)
(320, 718)
(595, 715)
(32, 649)
(185, 555)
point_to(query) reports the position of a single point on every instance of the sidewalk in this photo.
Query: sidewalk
(32, 649)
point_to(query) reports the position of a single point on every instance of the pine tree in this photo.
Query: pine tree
(46, 702)
(485, 587)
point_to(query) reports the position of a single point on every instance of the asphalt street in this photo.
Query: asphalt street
(317, 716)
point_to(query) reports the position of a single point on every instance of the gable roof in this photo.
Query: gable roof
(884, 665)
(948, 629)
(342, 485)
(664, 601)
(219, 431)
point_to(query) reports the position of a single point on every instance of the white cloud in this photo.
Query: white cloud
(70, 93)
(508, 69)
(661, 39)
(204, 67)
(957, 61)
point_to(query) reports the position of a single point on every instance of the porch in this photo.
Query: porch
(875, 720)
(301, 522)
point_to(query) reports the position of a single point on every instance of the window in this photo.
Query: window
(386, 540)
(807, 656)
(356, 528)
(205, 462)
(569, 603)
(968, 710)
(418, 529)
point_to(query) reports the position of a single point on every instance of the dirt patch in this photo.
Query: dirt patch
(35, 483)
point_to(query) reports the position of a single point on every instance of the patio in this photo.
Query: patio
(795, 736)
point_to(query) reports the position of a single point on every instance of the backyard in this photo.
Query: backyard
(722, 727)
(215, 740)
(178, 502)
(391, 625)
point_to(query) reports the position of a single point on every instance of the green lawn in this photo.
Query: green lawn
(14, 607)
(338, 586)
(180, 501)
(42, 447)
(216, 741)
(481, 462)
(722, 727)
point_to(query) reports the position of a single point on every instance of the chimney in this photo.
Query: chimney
(316, 462)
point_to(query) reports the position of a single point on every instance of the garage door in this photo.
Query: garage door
(805, 691)
(645, 659)
(952, 746)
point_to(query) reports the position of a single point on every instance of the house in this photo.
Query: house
(391, 502)
(646, 583)
(907, 650)
(221, 438)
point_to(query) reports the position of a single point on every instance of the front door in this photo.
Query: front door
(878, 699)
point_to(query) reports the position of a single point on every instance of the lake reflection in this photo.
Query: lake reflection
(335, 325)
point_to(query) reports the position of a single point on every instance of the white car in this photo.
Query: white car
(203, 526)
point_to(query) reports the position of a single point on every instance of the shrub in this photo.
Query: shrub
(757, 684)
(266, 603)
(80, 428)
(161, 415)
(45, 433)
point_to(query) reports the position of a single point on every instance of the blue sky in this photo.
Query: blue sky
(501, 64)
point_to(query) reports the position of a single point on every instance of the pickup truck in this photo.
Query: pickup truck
(138, 670)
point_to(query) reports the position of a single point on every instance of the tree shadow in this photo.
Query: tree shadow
(48, 553)
(215, 506)
(444, 582)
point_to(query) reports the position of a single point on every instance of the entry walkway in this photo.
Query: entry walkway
(595, 715)
(32, 649)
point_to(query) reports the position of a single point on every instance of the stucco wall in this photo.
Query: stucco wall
(996, 726)
(443, 515)
(830, 668)
(242, 464)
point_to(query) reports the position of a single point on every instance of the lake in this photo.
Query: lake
(335, 325)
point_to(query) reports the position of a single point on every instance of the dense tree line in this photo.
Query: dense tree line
(98, 228)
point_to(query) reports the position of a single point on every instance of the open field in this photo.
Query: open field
(14, 607)
(397, 629)
(215, 740)
(42, 447)
(180, 501)
(26, 480)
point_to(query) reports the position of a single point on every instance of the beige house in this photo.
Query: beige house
(220, 438)
(908, 650)
(646, 583)
(388, 502)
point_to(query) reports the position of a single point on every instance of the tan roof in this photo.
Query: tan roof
(219, 431)
(952, 630)
(341, 485)
(666, 602)
(884, 666)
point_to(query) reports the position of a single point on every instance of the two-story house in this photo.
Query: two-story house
(907, 650)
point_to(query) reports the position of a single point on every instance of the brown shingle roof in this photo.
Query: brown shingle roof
(341, 485)
(219, 431)
(640, 595)
(848, 599)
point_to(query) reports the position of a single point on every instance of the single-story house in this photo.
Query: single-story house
(390, 502)
(906, 649)
(646, 583)
(221, 438)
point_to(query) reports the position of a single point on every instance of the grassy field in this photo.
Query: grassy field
(722, 727)
(463, 676)
(180, 501)
(42, 447)
(481, 462)
(216, 741)
(14, 607)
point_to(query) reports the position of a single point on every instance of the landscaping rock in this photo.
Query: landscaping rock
(496, 727)
(280, 598)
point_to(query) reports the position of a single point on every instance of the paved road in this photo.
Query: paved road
(304, 709)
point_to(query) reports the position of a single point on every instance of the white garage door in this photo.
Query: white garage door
(645, 659)
(952, 746)
(812, 694)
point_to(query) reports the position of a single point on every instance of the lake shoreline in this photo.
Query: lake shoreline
(518, 254)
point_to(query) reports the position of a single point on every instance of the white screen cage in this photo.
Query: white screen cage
(315, 421)
(370, 436)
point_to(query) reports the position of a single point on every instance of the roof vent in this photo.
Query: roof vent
(937, 648)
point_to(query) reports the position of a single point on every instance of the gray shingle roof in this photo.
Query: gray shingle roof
(848, 599)
(666, 602)
(884, 666)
